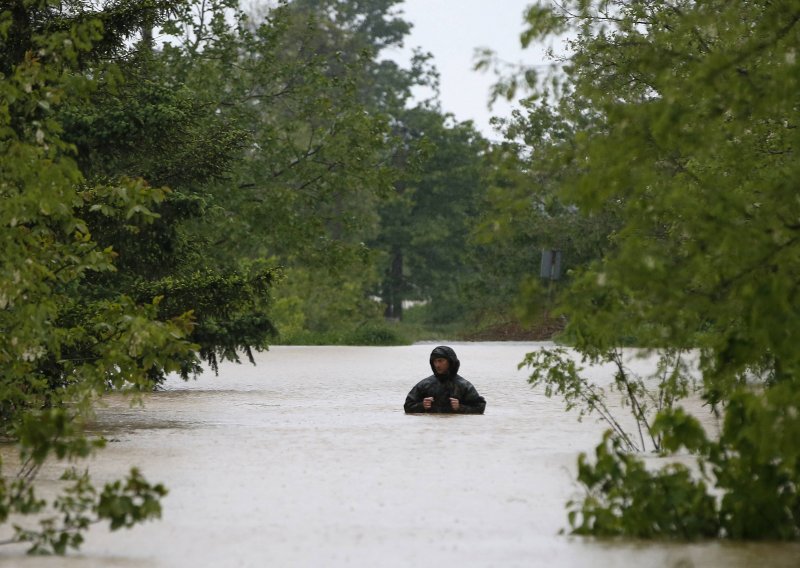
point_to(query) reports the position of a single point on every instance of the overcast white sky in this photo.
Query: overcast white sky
(451, 30)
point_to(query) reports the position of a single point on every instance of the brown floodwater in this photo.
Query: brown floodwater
(307, 460)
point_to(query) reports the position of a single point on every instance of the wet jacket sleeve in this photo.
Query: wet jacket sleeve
(414, 400)
(472, 402)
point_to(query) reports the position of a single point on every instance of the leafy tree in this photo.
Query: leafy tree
(58, 353)
(103, 285)
(560, 374)
(425, 225)
(313, 157)
(124, 163)
(357, 33)
(417, 143)
(524, 213)
(696, 107)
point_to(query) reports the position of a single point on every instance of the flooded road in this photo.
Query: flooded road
(307, 460)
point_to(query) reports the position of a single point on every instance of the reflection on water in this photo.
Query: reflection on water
(307, 459)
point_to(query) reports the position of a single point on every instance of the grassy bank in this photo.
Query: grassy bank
(417, 326)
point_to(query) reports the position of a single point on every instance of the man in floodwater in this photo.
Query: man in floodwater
(445, 390)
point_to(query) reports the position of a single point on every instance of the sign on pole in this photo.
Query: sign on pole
(551, 264)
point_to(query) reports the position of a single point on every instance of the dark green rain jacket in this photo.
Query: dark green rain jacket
(442, 387)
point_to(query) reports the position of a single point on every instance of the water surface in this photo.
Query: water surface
(307, 459)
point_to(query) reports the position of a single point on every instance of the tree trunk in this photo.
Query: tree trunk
(393, 293)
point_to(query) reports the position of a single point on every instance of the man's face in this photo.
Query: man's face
(441, 365)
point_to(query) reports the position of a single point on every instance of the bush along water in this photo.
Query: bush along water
(746, 487)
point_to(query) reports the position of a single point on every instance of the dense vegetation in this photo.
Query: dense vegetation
(677, 123)
(183, 183)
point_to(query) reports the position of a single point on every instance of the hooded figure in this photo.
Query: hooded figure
(444, 387)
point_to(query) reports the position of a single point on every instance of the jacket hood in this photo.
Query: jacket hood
(446, 353)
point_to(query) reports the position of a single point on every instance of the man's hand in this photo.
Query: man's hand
(427, 403)
(454, 404)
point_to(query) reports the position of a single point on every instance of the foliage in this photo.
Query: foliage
(122, 504)
(152, 184)
(624, 498)
(699, 160)
(370, 334)
(321, 313)
(692, 141)
(426, 222)
(524, 212)
(105, 284)
(752, 468)
(57, 353)
(382, 334)
(560, 375)
(314, 156)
